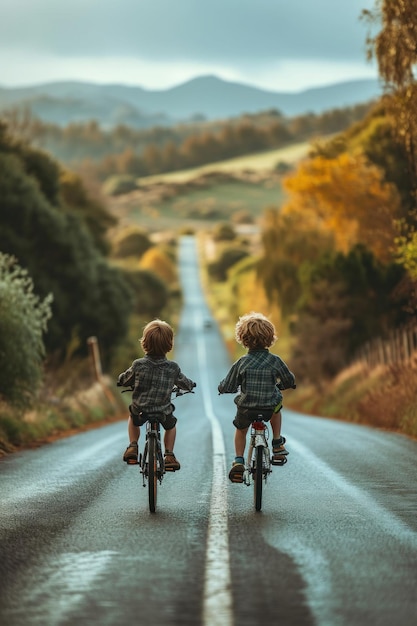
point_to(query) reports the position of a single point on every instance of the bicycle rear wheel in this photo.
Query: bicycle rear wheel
(152, 474)
(258, 477)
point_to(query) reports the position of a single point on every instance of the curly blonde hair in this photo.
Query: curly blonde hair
(157, 338)
(254, 330)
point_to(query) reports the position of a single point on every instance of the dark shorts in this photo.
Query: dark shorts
(245, 417)
(167, 421)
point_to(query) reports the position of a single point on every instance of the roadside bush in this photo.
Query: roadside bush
(218, 269)
(119, 185)
(224, 232)
(131, 242)
(160, 261)
(23, 320)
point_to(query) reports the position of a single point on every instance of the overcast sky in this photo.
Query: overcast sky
(281, 45)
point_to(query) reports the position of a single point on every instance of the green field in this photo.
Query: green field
(202, 196)
(202, 206)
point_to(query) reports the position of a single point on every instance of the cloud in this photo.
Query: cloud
(233, 38)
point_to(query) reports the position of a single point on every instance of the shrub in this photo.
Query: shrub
(119, 185)
(23, 320)
(228, 257)
(224, 232)
(132, 241)
(150, 292)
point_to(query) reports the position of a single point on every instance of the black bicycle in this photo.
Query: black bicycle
(151, 461)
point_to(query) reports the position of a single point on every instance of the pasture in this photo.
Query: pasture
(234, 190)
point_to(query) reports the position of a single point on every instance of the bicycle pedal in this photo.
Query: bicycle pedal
(279, 462)
(131, 462)
(170, 469)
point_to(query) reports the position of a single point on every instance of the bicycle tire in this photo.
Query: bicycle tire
(152, 474)
(258, 478)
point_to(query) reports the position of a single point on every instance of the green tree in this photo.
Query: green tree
(288, 241)
(347, 299)
(227, 258)
(91, 212)
(57, 249)
(150, 293)
(322, 331)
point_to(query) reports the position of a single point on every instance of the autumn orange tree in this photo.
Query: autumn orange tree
(159, 261)
(349, 197)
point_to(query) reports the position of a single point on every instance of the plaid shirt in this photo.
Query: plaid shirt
(258, 376)
(153, 379)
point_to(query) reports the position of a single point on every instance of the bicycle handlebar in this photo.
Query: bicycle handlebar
(181, 392)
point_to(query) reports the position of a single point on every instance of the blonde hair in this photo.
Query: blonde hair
(254, 330)
(157, 338)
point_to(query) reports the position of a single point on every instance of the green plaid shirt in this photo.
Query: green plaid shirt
(153, 379)
(258, 376)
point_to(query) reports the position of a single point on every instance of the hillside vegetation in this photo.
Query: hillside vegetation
(98, 154)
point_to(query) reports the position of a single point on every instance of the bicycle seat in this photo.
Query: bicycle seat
(260, 415)
(152, 417)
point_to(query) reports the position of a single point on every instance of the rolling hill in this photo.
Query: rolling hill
(206, 97)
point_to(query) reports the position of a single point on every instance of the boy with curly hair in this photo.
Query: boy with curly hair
(258, 376)
(152, 378)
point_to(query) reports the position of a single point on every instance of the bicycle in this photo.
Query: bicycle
(258, 464)
(151, 461)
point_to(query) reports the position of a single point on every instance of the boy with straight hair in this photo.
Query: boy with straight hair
(153, 378)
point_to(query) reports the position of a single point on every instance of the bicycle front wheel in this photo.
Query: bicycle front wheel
(258, 477)
(152, 474)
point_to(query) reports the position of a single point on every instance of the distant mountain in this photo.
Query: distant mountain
(207, 97)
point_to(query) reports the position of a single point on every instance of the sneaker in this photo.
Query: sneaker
(279, 453)
(131, 454)
(236, 472)
(171, 463)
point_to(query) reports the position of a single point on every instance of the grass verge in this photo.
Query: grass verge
(383, 398)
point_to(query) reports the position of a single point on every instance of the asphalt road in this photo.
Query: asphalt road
(334, 545)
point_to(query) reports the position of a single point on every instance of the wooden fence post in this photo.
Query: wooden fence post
(95, 357)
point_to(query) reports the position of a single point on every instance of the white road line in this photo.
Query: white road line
(217, 599)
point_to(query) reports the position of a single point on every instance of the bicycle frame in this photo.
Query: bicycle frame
(151, 462)
(258, 462)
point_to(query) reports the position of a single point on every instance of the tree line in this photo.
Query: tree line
(128, 151)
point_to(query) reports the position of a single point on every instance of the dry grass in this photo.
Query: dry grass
(393, 403)
(385, 397)
(58, 416)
